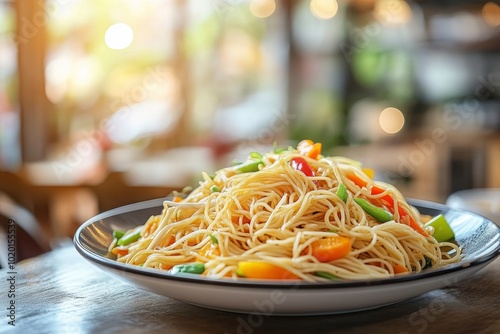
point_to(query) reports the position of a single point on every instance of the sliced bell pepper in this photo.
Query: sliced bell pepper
(210, 250)
(264, 270)
(309, 148)
(399, 269)
(301, 164)
(442, 230)
(120, 251)
(331, 248)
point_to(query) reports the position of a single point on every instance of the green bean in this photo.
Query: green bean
(214, 240)
(249, 166)
(324, 274)
(255, 155)
(118, 234)
(188, 268)
(342, 192)
(130, 237)
(379, 214)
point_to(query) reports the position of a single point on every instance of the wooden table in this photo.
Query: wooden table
(60, 292)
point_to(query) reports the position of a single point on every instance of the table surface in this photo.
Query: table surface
(60, 292)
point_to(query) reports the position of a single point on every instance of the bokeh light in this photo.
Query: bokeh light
(324, 9)
(393, 12)
(391, 120)
(491, 14)
(262, 8)
(119, 36)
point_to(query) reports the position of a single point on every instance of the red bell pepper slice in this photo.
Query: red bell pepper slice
(301, 164)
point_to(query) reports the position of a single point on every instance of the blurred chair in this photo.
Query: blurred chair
(30, 239)
(17, 189)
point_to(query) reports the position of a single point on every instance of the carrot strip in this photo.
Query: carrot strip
(399, 269)
(168, 241)
(357, 180)
(120, 251)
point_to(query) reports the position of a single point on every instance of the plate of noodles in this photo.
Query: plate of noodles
(289, 232)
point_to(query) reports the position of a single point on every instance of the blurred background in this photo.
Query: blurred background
(106, 103)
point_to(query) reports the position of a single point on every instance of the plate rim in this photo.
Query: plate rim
(102, 261)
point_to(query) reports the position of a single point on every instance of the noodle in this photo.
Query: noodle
(277, 214)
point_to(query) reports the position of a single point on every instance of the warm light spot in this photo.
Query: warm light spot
(57, 73)
(324, 9)
(83, 75)
(262, 8)
(119, 36)
(393, 12)
(391, 120)
(491, 14)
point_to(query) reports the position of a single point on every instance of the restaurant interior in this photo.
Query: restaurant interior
(107, 103)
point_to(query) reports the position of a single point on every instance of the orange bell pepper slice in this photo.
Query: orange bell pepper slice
(309, 148)
(331, 248)
(263, 270)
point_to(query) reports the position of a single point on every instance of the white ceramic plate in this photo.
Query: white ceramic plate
(479, 237)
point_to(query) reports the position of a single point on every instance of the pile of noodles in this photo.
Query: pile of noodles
(274, 215)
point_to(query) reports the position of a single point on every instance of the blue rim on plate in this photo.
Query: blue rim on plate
(479, 237)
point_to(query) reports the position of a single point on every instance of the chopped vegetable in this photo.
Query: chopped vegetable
(388, 201)
(357, 180)
(278, 150)
(117, 234)
(379, 214)
(189, 268)
(369, 172)
(214, 189)
(130, 237)
(177, 199)
(442, 230)
(255, 155)
(428, 263)
(399, 269)
(405, 216)
(342, 192)
(120, 251)
(324, 274)
(249, 166)
(309, 148)
(214, 240)
(254, 269)
(331, 248)
(210, 250)
(301, 164)
(168, 241)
